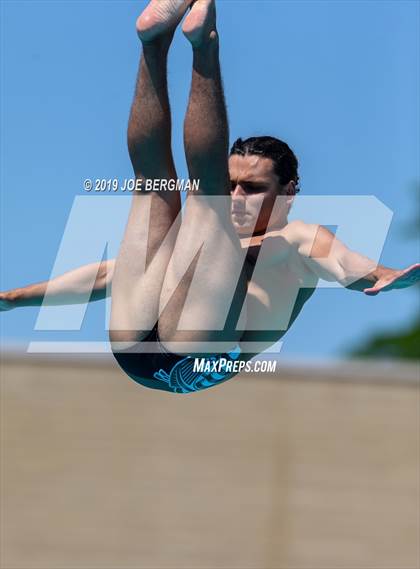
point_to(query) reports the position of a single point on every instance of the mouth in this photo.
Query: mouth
(239, 218)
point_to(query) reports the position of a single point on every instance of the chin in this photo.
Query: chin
(239, 227)
(245, 229)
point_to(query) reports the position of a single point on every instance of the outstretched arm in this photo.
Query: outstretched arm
(331, 260)
(70, 288)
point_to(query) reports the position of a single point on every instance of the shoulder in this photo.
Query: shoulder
(298, 232)
(294, 232)
(278, 244)
(311, 239)
(291, 236)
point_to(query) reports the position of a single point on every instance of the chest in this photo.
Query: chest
(276, 292)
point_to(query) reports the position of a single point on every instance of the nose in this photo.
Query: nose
(237, 191)
(238, 199)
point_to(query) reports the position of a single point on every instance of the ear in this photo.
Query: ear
(291, 188)
(290, 193)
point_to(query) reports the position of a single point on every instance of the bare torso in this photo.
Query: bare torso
(279, 284)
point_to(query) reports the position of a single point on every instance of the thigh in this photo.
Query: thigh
(141, 264)
(205, 285)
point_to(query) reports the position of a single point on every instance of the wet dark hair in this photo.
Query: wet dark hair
(285, 161)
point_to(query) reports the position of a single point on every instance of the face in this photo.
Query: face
(254, 189)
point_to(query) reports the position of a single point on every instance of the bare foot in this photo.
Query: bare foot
(200, 25)
(160, 17)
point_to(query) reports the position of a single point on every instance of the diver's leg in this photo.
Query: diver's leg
(135, 293)
(207, 212)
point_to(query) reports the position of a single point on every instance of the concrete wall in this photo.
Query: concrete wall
(312, 468)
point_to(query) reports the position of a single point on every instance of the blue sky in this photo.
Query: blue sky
(338, 80)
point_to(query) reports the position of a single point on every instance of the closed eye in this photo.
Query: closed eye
(254, 188)
(248, 187)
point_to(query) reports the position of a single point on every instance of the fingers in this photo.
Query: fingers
(371, 291)
(5, 305)
(404, 279)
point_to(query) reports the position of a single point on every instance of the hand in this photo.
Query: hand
(6, 303)
(393, 279)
